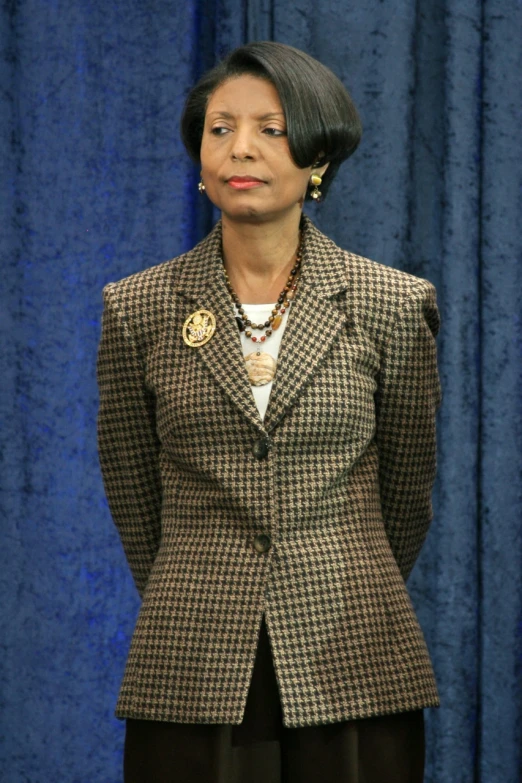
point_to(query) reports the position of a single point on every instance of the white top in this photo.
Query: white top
(259, 313)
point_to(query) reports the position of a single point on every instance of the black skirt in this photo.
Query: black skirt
(261, 750)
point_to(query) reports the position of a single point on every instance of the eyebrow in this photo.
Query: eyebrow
(228, 116)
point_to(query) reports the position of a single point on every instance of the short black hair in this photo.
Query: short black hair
(322, 122)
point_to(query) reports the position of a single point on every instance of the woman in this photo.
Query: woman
(267, 440)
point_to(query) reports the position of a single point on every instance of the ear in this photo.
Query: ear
(320, 169)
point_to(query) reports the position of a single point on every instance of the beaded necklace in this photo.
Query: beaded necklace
(261, 366)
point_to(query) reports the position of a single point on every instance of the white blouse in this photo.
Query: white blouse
(259, 313)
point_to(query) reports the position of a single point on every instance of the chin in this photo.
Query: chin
(247, 213)
(251, 213)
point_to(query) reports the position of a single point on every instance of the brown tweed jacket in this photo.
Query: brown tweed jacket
(313, 517)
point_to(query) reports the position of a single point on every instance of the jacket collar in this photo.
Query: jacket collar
(314, 323)
(323, 265)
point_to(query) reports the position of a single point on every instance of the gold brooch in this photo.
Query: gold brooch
(199, 328)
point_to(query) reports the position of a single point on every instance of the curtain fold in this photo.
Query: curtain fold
(95, 185)
(452, 552)
(500, 521)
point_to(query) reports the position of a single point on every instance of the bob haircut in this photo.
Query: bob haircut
(322, 122)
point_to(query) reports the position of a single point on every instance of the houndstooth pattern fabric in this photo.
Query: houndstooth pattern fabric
(343, 492)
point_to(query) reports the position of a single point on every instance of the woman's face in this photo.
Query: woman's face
(246, 164)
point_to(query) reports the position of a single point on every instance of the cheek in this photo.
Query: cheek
(302, 185)
(208, 157)
(204, 161)
(289, 180)
(296, 179)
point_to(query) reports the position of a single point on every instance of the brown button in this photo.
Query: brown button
(262, 543)
(260, 448)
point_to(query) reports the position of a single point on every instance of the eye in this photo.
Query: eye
(219, 130)
(274, 132)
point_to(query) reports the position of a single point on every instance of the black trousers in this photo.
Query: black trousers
(384, 749)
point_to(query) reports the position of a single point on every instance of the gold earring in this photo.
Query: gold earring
(316, 180)
(201, 186)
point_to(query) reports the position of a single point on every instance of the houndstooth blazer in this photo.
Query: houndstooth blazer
(313, 517)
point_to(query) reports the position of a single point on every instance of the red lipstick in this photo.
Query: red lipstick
(244, 183)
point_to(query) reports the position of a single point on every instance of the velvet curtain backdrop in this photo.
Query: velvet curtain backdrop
(95, 185)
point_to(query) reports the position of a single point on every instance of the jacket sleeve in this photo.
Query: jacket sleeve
(406, 404)
(127, 443)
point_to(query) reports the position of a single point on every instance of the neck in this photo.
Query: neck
(258, 257)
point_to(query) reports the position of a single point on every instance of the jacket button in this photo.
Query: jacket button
(260, 448)
(262, 543)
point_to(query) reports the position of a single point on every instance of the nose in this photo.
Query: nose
(243, 144)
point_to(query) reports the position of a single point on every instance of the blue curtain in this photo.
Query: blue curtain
(95, 185)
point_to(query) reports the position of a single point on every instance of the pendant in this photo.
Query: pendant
(261, 368)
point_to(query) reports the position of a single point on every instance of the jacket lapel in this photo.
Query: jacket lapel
(201, 285)
(316, 319)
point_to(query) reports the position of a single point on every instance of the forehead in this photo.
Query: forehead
(245, 95)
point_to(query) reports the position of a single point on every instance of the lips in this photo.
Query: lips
(244, 183)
